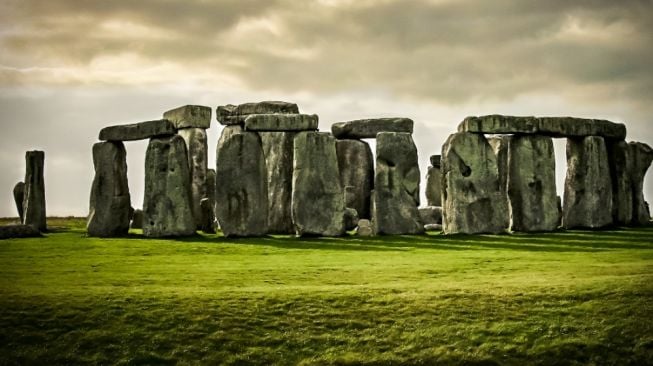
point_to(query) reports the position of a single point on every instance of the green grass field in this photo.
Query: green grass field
(561, 298)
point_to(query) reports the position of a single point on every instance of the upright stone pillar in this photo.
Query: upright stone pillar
(500, 146)
(531, 184)
(278, 152)
(241, 185)
(210, 194)
(318, 206)
(473, 201)
(110, 202)
(166, 206)
(622, 186)
(588, 188)
(396, 185)
(356, 165)
(34, 196)
(19, 194)
(434, 182)
(641, 155)
(196, 144)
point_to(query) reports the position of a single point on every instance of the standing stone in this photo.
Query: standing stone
(196, 147)
(500, 146)
(210, 190)
(641, 155)
(356, 165)
(207, 216)
(396, 185)
(434, 182)
(588, 189)
(137, 219)
(317, 196)
(110, 203)
(166, 207)
(531, 184)
(241, 184)
(364, 228)
(278, 152)
(34, 196)
(19, 194)
(471, 194)
(622, 186)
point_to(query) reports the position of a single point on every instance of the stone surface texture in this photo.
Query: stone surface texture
(241, 184)
(532, 185)
(433, 186)
(317, 197)
(34, 194)
(641, 156)
(167, 208)
(396, 185)
(110, 202)
(197, 150)
(369, 128)
(356, 164)
(278, 150)
(587, 199)
(471, 196)
(430, 215)
(364, 228)
(500, 145)
(236, 114)
(621, 167)
(281, 122)
(138, 131)
(137, 219)
(18, 231)
(351, 219)
(189, 116)
(19, 194)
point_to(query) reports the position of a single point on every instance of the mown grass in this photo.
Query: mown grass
(559, 298)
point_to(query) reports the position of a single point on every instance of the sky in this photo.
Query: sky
(69, 68)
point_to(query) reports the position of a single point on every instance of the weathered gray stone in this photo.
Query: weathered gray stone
(435, 161)
(137, 219)
(430, 215)
(190, 116)
(588, 190)
(531, 184)
(138, 131)
(641, 155)
(34, 196)
(110, 202)
(210, 190)
(433, 227)
(369, 128)
(396, 185)
(19, 194)
(351, 218)
(166, 207)
(356, 164)
(235, 114)
(434, 186)
(18, 231)
(241, 184)
(364, 228)
(622, 186)
(317, 196)
(208, 218)
(196, 148)
(281, 122)
(548, 126)
(278, 152)
(471, 196)
(500, 145)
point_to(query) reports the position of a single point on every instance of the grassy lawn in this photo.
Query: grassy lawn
(561, 298)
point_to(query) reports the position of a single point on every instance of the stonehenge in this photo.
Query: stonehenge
(34, 192)
(276, 173)
(19, 194)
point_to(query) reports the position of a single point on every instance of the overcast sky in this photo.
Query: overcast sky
(69, 68)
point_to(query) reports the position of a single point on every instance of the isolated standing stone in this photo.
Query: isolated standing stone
(369, 128)
(34, 196)
(235, 114)
(189, 116)
(241, 184)
(396, 185)
(19, 194)
(110, 202)
(471, 196)
(281, 122)
(196, 147)
(622, 184)
(317, 198)
(166, 206)
(531, 184)
(278, 152)
(588, 189)
(641, 155)
(356, 164)
(138, 131)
